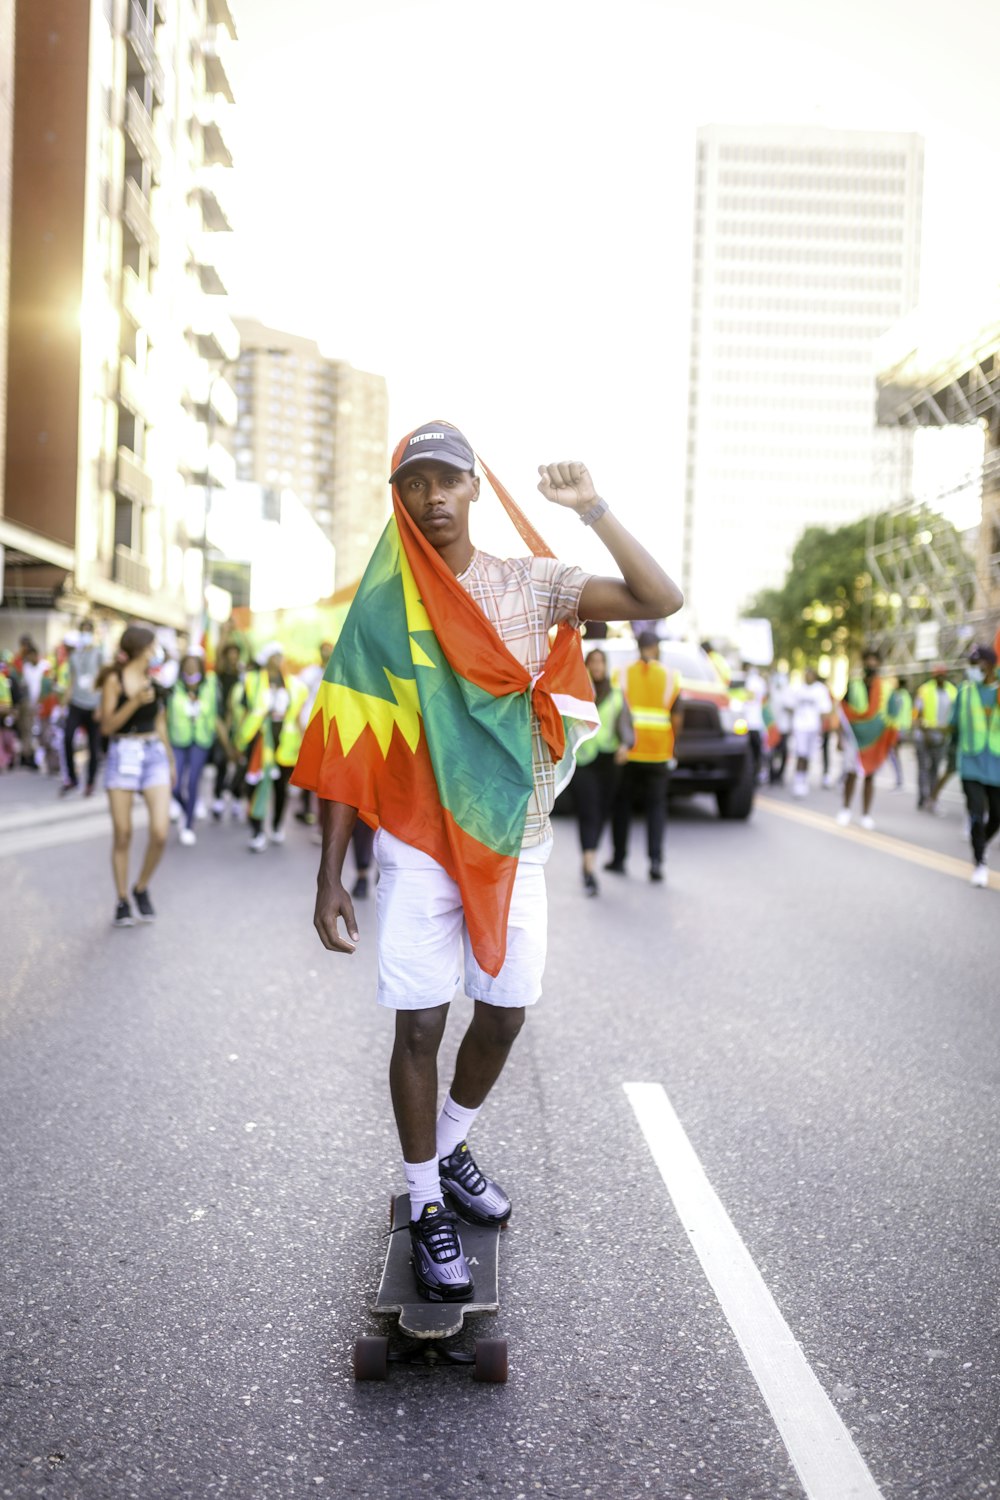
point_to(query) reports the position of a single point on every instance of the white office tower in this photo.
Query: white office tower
(807, 248)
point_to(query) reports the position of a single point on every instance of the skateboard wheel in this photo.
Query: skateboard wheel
(371, 1359)
(491, 1361)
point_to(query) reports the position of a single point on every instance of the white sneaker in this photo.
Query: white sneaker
(238, 812)
(175, 810)
(218, 808)
(200, 811)
(844, 816)
(828, 782)
(188, 837)
(800, 787)
(980, 876)
(277, 836)
(868, 822)
(258, 843)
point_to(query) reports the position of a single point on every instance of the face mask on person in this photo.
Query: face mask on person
(158, 657)
(974, 674)
(192, 678)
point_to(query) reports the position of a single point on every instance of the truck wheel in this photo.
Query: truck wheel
(737, 800)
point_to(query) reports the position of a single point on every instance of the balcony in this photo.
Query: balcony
(133, 388)
(129, 570)
(215, 335)
(210, 190)
(220, 13)
(214, 117)
(209, 464)
(139, 131)
(212, 397)
(132, 479)
(139, 221)
(142, 46)
(137, 301)
(215, 52)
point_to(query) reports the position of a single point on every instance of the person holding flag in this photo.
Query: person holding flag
(447, 721)
(867, 734)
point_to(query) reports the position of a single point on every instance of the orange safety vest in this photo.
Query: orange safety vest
(651, 691)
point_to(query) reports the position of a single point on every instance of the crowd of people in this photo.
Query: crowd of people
(193, 741)
(954, 729)
(223, 742)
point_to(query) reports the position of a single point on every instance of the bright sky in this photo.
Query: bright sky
(492, 204)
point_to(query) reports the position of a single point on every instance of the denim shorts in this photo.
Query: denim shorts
(134, 764)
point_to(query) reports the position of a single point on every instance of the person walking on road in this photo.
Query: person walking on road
(194, 726)
(445, 717)
(932, 717)
(270, 734)
(224, 759)
(651, 691)
(83, 699)
(139, 760)
(312, 676)
(808, 703)
(866, 735)
(599, 763)
(976, 721)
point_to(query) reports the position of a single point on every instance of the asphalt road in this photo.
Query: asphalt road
(197, 1155)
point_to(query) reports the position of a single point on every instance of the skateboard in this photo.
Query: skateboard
(429, 1328)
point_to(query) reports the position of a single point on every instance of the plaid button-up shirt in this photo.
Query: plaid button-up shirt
(523, 598)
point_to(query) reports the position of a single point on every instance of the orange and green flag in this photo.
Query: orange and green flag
(867, 716)
(423, 720)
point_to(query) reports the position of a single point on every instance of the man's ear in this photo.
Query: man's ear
(475, 481)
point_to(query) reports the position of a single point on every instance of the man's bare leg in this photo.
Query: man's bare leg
(413, 1079)
(484, 1050)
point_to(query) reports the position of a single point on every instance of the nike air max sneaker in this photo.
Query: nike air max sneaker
(476, 1197)
(438, 1260)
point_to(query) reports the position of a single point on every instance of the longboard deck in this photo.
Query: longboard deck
(397, 1293)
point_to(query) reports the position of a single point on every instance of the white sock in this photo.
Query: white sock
(424, 1182)
(453, 1126)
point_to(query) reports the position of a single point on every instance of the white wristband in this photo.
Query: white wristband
(588, 517)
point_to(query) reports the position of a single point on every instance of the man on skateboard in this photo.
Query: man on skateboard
(443, 720)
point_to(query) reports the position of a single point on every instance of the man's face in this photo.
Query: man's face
(871, 666)
(325, 652)
(230, 659)
(437, 499)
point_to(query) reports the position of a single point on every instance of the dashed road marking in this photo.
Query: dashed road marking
(822, 1450)
(944, 864)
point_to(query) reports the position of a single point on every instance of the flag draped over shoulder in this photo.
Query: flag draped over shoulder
(866, 716)
(423, 720)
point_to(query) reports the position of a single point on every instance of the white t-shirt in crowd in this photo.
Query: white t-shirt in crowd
(808, 703)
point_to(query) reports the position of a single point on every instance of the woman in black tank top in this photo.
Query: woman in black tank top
(140, 759)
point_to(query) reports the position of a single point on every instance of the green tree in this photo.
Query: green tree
(827, 604)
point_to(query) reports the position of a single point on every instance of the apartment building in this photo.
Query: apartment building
(118, 327)
(321, 428)
(807, 248)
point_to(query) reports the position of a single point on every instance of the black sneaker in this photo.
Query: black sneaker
(439, 1262)
(360, 889)
(123, 914)
(144, 906)
(656, 872)
(476, 1197)
(615, 866)
(590, 883)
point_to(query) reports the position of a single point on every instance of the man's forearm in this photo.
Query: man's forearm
(641, 572)
(337, 822)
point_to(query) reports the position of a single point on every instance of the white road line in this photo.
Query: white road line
(51, 835)
(819, 1445)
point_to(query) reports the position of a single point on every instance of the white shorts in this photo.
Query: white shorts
(806, 742)
(422, 932)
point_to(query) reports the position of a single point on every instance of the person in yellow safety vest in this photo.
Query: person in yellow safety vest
(932, 707)
(599, 763)
(193, 724)
(8, 741)
(719, 662)
(270, 732)
(651, 691)
(976, 721)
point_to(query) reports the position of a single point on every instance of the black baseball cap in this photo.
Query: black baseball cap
(436, 442)
(984, 655)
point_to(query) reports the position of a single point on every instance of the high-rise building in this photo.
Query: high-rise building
(807, 248)
(320, 427)
(118, 329)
